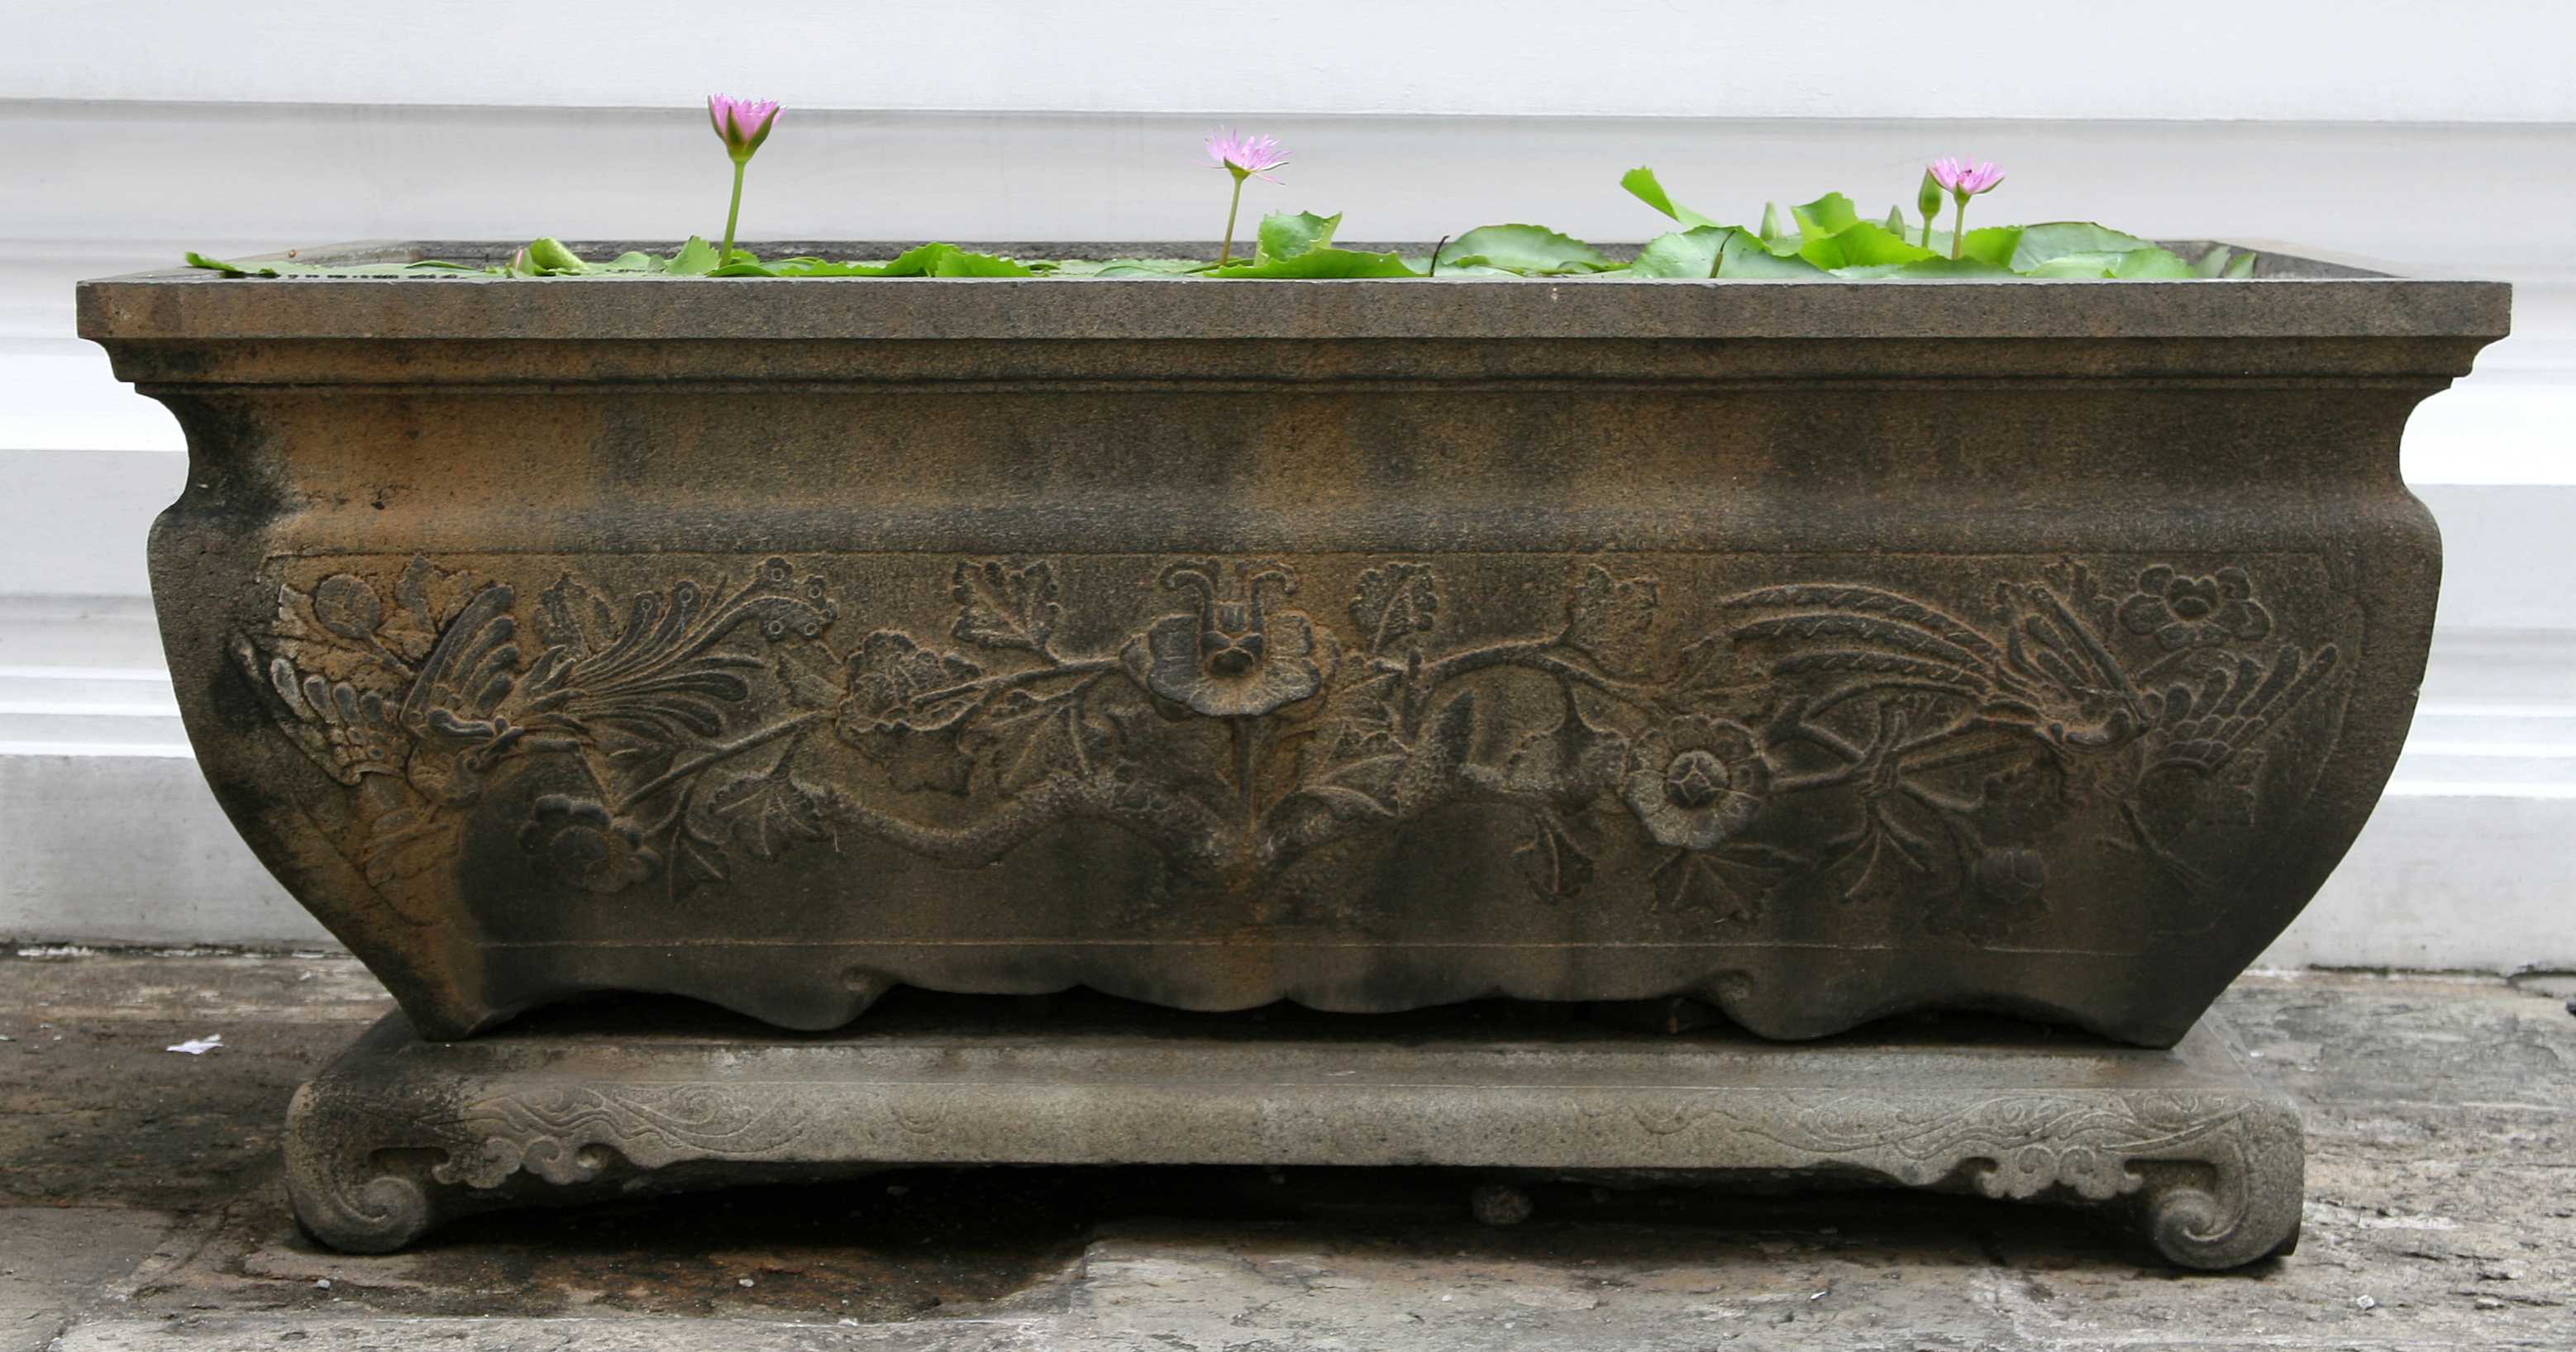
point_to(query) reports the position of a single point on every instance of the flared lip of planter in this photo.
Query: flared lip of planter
(2298, 292)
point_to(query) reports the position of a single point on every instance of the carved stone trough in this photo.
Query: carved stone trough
(1817, 650)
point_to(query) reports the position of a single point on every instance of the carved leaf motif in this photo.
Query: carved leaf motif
(426, 598)
(805, 689)
(770, 812)
(1395, 605)
(701, 855)
(1002, 607)
(1349, 804)
(1877, 867)
(1710, 664)
(1554, 865)
(575, 619)
(1032, 738)
(1608, 617)
(347, 606)
(1721, 886)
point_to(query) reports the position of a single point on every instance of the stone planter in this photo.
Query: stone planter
(1820, 650)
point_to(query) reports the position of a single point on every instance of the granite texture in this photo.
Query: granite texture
(1818, 650)
(399, 1134)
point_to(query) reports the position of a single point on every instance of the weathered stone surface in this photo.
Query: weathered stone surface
(2438, 1117)
(1818, 651)
(399, 1134)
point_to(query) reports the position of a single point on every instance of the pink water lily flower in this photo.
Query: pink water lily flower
(1244, 157)
(1242, 154)
(1963, 182)
(1957, 176)
(743, 123)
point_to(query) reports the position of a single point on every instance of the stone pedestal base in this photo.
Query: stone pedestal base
(398, 1135)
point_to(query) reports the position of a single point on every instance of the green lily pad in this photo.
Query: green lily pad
(1758, 263)
(1640, 183)
(1825, 217)
(1524, 248)
(2056, 239)
(696, 258)
(1323, 263)
(1285, 235)
(1929, 269)
(2149, 263)
(1686, 253)
(1858, 244)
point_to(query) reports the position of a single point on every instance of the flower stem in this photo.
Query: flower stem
(1226, 254)
(1927, 224)
(732, 213)
(1959, 228)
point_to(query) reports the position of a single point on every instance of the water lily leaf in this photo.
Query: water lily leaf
(736, 269)
(1687, 253)
(1935, 268)
(1473, 265)
(1121, 267)
(198, 260)
(1994, 244)
(2056, 239)
(2146, 263)
(1763, 262)
(2152, 264)
(2089, 263)
(696, 258)
(1524, 248)
(1324, 263)
(1284, 235)
(959, 263)
(2222, 261)
(1828, 215)
(816, 267)
(1640, 182)
(1859, 244)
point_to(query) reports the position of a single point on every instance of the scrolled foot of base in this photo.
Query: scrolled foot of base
(374, 1215)
(2197, 1230)
(338, 1193)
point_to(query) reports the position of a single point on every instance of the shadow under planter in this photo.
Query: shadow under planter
(1820, 650)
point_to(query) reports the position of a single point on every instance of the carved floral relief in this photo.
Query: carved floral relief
(1821, 743)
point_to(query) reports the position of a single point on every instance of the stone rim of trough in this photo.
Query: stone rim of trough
(2305, 293)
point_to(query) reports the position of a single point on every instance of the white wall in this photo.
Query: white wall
(130, 129)
(2380, 60)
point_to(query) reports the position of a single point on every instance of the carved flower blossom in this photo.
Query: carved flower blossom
(917, 745)
(1232, 659)
(2195, 612)
(1698, 782)
(575, 839)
